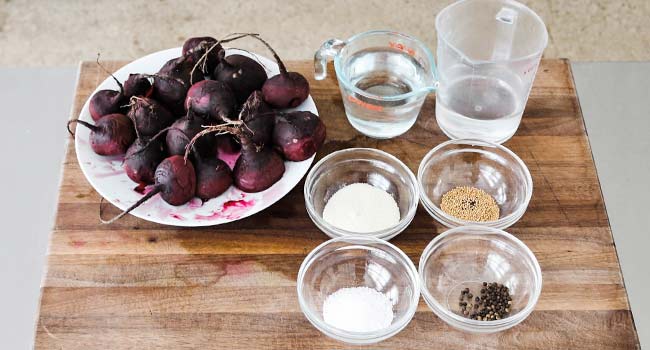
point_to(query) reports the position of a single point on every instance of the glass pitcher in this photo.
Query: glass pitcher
(488, 54)
(384, 77)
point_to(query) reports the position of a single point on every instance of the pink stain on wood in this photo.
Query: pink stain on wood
(78, 244)
(242, 268)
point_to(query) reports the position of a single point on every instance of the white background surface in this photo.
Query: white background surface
(615, 99)
(34, 106)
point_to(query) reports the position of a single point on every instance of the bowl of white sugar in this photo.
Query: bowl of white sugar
(358, 289)
(361, 191)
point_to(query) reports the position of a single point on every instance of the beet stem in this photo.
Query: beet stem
(111, 74)
(86, 124)
(283, 68)
(255, 57)
(146, 197)
(146, 145)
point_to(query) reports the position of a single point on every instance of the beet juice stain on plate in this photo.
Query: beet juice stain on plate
(232, 210)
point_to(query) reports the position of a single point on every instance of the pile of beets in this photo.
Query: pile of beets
(172, 125)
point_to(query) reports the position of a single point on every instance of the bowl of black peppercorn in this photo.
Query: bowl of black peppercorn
(480, 279)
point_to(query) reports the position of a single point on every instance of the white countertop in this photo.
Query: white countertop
(615, 100)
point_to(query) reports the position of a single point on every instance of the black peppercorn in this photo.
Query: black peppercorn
(493, 303)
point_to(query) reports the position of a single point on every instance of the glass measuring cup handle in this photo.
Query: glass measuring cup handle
(328, 50)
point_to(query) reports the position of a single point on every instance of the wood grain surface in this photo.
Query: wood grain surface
(140, 285)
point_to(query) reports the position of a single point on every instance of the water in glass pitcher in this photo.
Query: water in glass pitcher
(383, 72)
(479, 107)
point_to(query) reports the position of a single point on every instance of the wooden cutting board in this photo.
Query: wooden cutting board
(139, 285)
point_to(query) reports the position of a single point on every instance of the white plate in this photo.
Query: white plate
(108, 178)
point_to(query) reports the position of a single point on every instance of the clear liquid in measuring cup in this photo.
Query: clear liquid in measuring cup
(479, 107)
(383, 72)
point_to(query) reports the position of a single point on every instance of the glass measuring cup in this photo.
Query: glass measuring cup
(384, 77)
(488, 54)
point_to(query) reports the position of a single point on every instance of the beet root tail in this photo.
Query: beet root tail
(135, 205)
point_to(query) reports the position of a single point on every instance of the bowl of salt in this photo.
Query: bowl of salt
(358, 289)
(361, 191)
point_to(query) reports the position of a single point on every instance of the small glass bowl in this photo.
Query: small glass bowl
(484, 165)
(465, 257)
(357, 261)
(361, 165)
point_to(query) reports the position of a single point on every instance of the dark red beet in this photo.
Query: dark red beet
(212, 99)
(227, 144)
(183, 130)
(137, 85)
(197, 47)
(171, 92)
(298, 135)
(149, 116)
(181, 68)
(258, 119)
(253, 106)
(142, 158)
(213, 177)
(108, 101)
(287, 89)
(175, 180)
(255, 170)
(112, 135)
(242, 74)
(204, 52)
(198, 43)
(105, 102)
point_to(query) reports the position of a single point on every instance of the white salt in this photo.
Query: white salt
(358, 309)
(361, 208)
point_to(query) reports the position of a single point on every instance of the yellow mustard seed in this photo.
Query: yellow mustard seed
(470, 203)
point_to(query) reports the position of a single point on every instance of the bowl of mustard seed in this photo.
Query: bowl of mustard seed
(479, 279)
(472, 182)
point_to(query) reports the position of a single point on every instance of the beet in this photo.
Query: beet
(149, 116)
(213, 177)
(204, 52)
(182, 68)
(171, 92)
(137, 85)
(256, 170)
(258, 118)
(227, 143)
(175, 180)
(287, 89)
(212, 99)
(298, 135)
(197, 47)
(142, 158)
(183, 130)
(241, 73)
(105, 102)
(198, 43)
(112, 135)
